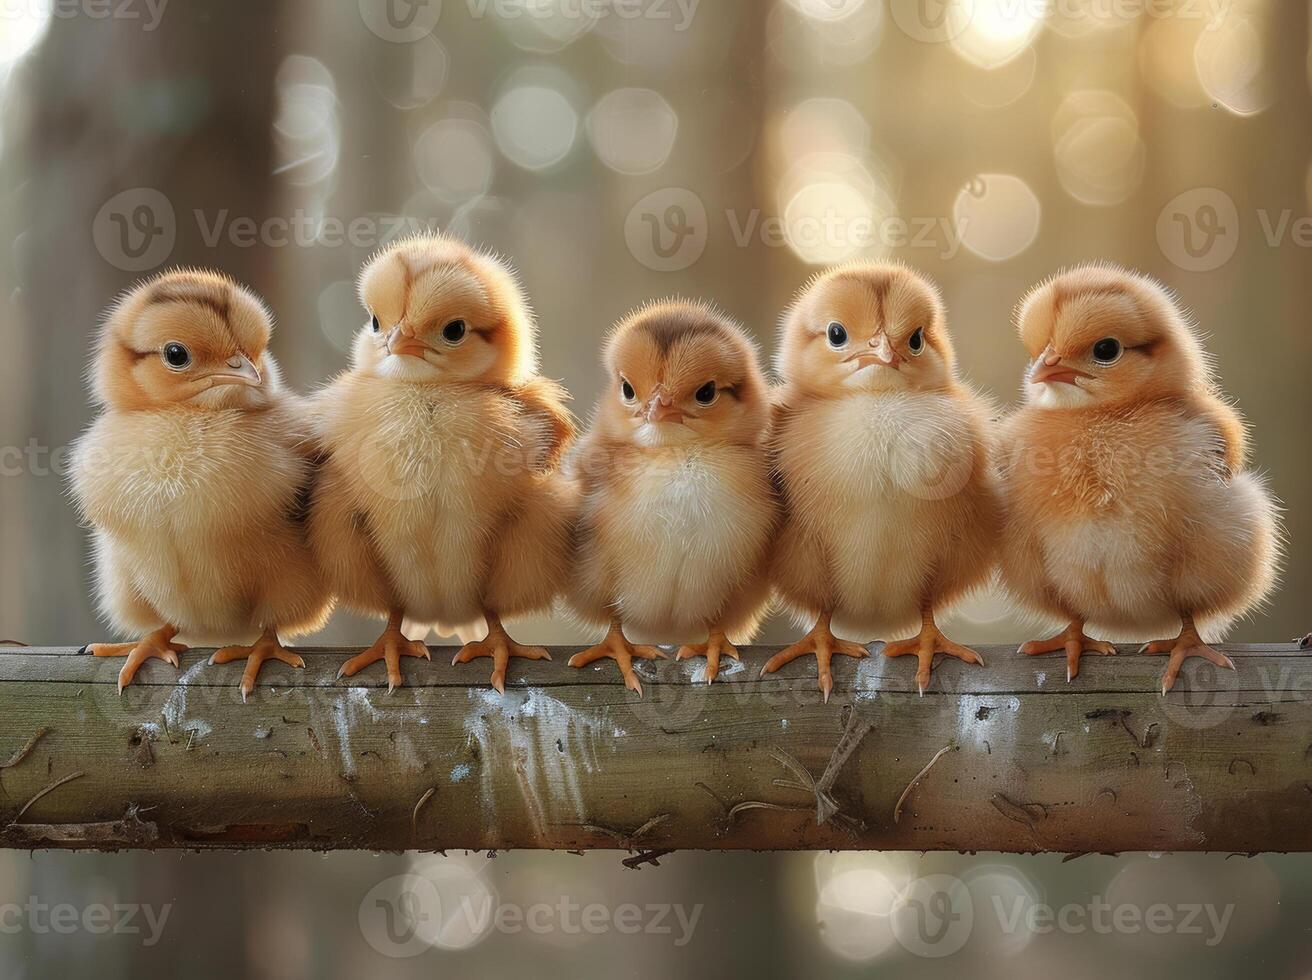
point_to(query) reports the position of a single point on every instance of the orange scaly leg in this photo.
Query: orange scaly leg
(1187, 644)
(389, 647)
(267, 647)
(716, 644)
(500, 647)
(156, 645)
(923, 646)
(617, 647)
(1074, 642)
(821, 642)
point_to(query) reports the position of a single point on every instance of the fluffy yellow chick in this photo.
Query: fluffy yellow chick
(441, 498)
(193, 478)
(883, 454)
(1129, 507)
(678, 507)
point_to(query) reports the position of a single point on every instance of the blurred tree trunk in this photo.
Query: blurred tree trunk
(186, 118)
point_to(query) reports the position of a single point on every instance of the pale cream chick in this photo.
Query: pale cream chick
(193, 479)
(678, 507)
(442, 498)
(883, 455)
(1130, 508)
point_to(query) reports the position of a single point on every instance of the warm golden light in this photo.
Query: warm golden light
(997, 30)
(1232, 61)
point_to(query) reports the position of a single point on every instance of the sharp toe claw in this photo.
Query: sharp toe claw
(84, 649)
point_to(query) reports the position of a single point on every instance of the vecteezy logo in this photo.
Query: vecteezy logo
(401, 21)
(934, 916)
(1198, 231)
(932, 21)
(135, 230)
(1204, 695)
(400, 915)
(666, 230)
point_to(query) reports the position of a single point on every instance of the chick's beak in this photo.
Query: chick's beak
(401, 341)
(238, 371)
(881, 352)
(661, 408)
(1050, 369)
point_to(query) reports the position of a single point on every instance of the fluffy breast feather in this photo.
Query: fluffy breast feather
(678, 531)
(431, 470)
(188, 472)
(1132, 516)
(897, 488)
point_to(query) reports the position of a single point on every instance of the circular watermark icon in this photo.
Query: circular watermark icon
(666, 231)
(932, 21)
(934, 916)
(398, 915)
(1198, 231)
(936, 467)
(442, 903)
(401, 21)
(135, 230)
(1204, 695)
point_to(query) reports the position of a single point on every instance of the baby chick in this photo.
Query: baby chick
(441, 498)
(884, 460)
(193, 478)
(678, 507)
(1128, 503)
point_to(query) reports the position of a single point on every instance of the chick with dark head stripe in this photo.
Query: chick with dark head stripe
(677, 502)
(191, 479)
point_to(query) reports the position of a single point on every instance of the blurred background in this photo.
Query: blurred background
(618, 150)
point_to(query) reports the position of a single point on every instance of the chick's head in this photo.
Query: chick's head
(679, 372)
(1099, 334)
(866, 327)
(440, 311)
(186, 337)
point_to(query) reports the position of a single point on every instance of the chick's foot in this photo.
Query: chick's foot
(158, 645)
(390, 648)
(716, 645)
(924, 646)
(1073, 641)
(500, 647)
(824, 645)
(617, 647)
(266, 648)
(1187, 644)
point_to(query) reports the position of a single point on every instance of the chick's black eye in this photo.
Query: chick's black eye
(373, 324)
(837, 334)
(1107, 350)
(626, 389)
(706, 393)
(916, 343)
(176, 356)
(454, 332)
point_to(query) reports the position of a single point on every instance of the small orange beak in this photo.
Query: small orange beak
(661, 408)
(240, 371)
(1051, 370)
(408, 345)
(881, 353)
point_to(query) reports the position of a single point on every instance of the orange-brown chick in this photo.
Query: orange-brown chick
(192, 478)
(1129, 507)
(678, 507)
(442, 498)
(883, 455)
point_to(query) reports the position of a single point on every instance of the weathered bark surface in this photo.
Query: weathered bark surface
(570, 759)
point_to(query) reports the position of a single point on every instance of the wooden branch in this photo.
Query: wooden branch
(1005, 758)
